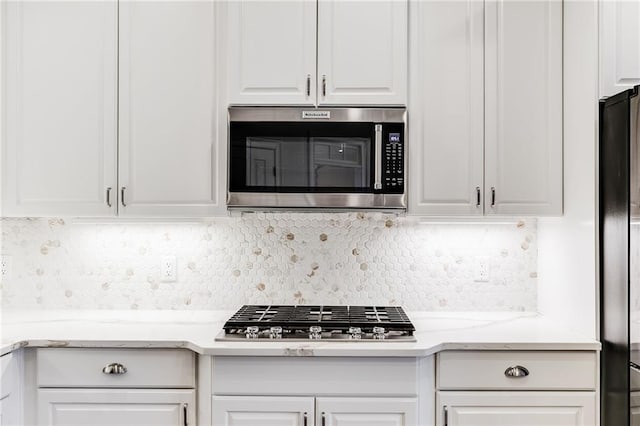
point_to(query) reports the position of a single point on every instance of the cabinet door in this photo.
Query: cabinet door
(169, 154)
(264, 411)
(447, 108)
(59, 142)
(4, 403)
(123, 407)
(523, 107)
(635, 408)
(619, 46)
(362, 52)
(516, 408)
(366, 411)
(271, 52)
(11, 389)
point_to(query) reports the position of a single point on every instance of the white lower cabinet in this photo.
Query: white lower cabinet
(516, 408)
(3, 406)
(123, 407)
(366, 411)
(105, 387)
(635, 408)
(322, 391)
(11, 389)
(262, 410)
(309, 411)
(516, 388)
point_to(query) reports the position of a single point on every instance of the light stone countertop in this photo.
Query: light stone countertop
(196, 330)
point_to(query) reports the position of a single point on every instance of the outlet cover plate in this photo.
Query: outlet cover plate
(168, 269)
(483, 270)
(5, 267)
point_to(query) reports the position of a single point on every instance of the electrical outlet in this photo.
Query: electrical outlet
(168, 269)
(483, 270)
(5, 267)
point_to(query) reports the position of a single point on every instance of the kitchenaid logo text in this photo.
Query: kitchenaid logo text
(316, 114)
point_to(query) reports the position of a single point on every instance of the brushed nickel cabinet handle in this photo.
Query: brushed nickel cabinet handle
(109, 196)
(114, 368)
(324, 85)
(493, 196)
(477, 196)
(185, 411)
(308, 85)
(122, 196)
(516, 371)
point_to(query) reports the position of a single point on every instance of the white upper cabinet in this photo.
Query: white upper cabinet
(446, 106)
(359, 49)
(485, 109)
(362, 52)
(168, 152)
(60, 87)
(272, 52)
(523, 107)
(619, 46)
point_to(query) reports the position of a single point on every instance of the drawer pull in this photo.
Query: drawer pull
(114, 368)
(516, 371)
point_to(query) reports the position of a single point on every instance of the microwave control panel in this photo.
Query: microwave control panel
(393, 159)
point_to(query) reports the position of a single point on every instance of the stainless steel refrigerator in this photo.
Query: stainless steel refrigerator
(619, 216)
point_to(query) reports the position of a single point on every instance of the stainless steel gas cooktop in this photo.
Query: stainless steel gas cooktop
(317, 322)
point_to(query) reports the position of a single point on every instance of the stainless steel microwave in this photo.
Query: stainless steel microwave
(283, 158)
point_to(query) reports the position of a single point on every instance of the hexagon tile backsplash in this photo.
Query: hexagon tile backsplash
(279, 258)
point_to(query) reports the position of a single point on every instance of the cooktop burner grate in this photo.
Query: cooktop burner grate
(251, 314)
(391, 317)
(335, 322)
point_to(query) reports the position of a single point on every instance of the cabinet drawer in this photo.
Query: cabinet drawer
(487, 370)
(278, 376)
(145, 368)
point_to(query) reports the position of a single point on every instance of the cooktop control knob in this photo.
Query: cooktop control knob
(355, 333)
(251, 332)
(378, 333)
(275, 333)
(315, 332)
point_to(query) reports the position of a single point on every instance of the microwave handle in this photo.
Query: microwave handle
(377, 180)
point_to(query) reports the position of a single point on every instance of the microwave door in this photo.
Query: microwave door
(301, 158)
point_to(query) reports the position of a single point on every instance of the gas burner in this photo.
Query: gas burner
(319, 322)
